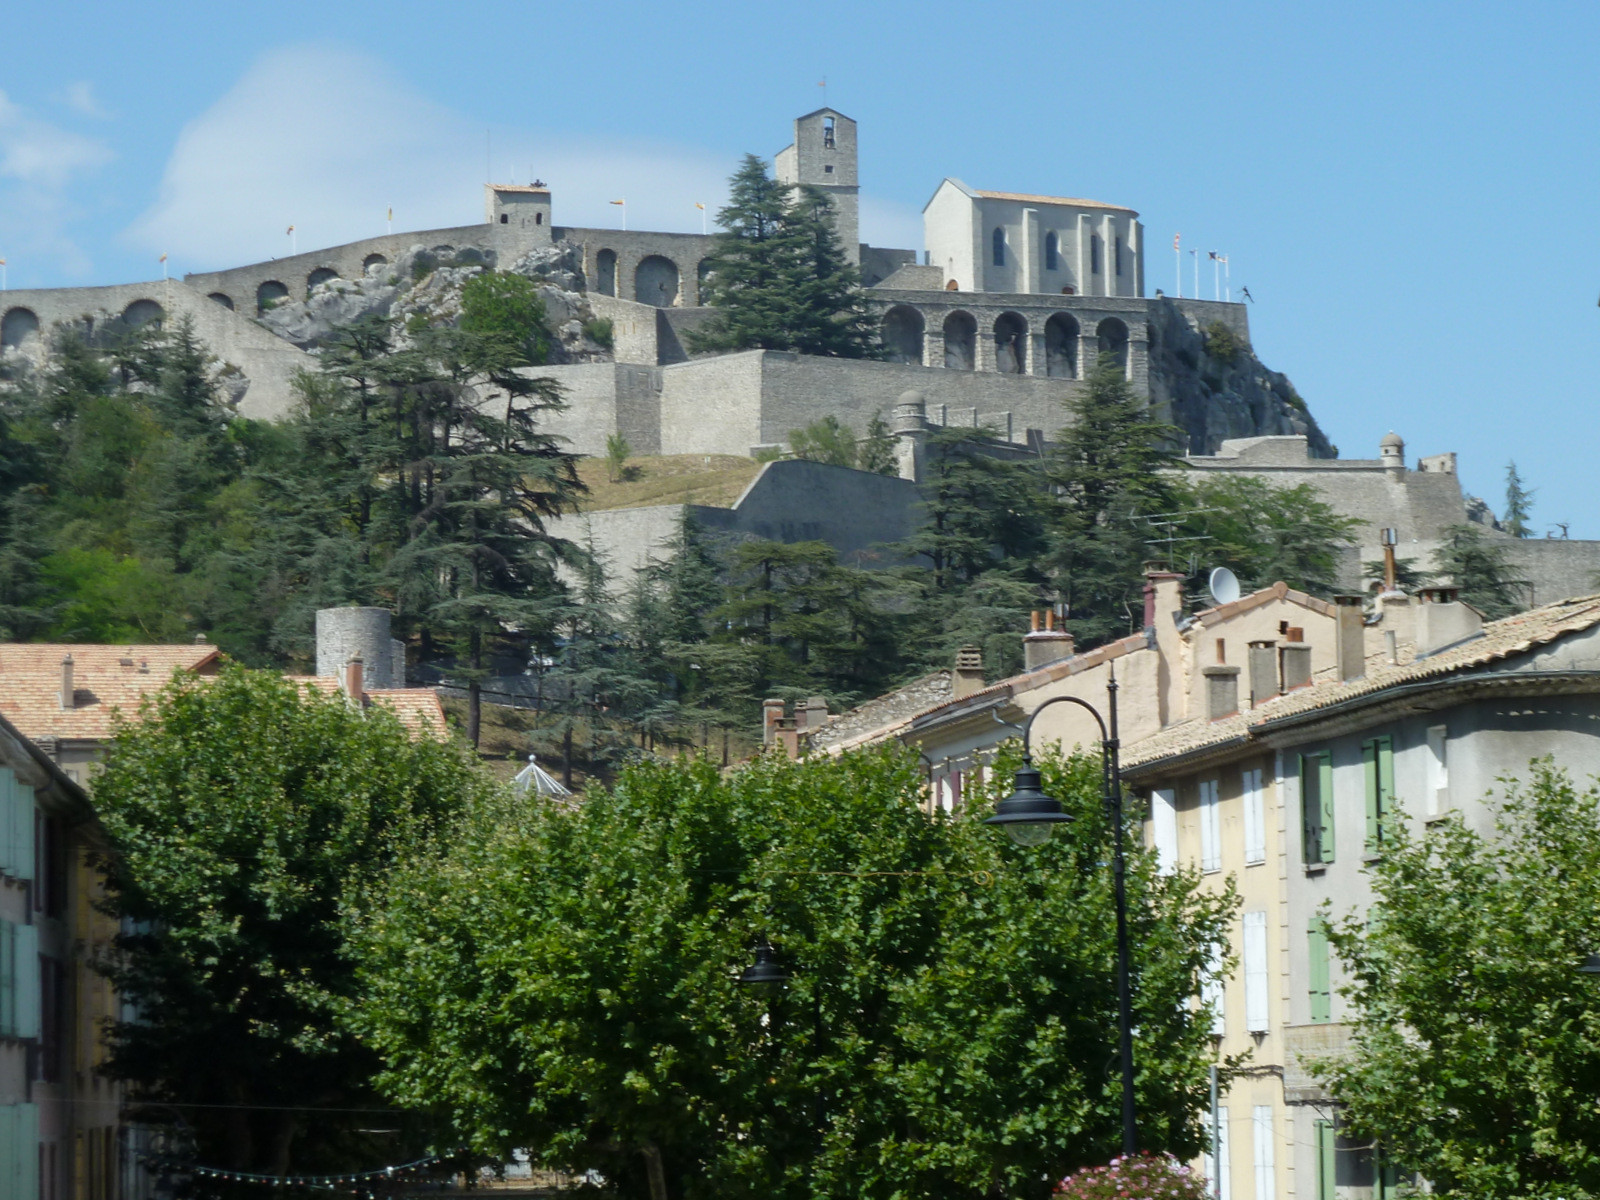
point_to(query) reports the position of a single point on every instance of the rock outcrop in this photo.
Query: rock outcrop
(1210, 384)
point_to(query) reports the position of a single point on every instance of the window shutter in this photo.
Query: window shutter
(1255, 818)
(27, 977)
(1210, 827)
(1385, 781)
(22, 829)
(1164, 829)
(8, 854)
(1377, 762)
(1255, 971)
(1217, 1161)
(1318, 974)
(1327, 1147)
(1212, 991)
(8, 979)
(1266, 1186)
(1325, 787)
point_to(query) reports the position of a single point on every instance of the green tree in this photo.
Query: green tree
(1477, 566)
(778, 275)
(617, 451)
(1519, 504)
(875, 451)
(1264, 532)
(1475, 1043)
(1107, 470)
(824, 441)
(506, 304)
(946, 1032)
(248, 818)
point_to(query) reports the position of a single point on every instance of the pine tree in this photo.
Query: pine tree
(779, 276)
(1477, 565)
(1519, 504)
(1106, 470)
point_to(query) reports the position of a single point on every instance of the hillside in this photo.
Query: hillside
(710, 479)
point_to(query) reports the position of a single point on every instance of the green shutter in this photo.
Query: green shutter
(1327, 1175)
(1377, 761)
(1317, 973)
(8, 979)
(1325, 786)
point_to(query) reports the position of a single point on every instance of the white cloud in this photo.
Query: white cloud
(80, 98)
(38, 154)
(39, 164)
(326, 139)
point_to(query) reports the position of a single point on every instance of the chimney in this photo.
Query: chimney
(1295, 657)
(814, 715)
(354, 682)
(1263, 659)
(69, 695)
(968, 674)
(1351, 637)
(1443, 621)
(1163, 592)
(1222, 690)
(771, 715)
(1046, 645)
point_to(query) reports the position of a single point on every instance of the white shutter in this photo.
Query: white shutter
(1255, 971)
(1255, 817)
(27, 977)
(1164, 829)
(1211, 991)
(1217, 1160)
(1438, 794)
(1210, 827)
(1266, 1185)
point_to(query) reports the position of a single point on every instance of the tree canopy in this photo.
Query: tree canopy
(561, 979)
(248, 818)
(1475, 1043)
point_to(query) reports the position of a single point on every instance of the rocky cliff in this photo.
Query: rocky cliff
(1209, 383)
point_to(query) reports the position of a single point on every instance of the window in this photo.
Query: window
(1212, 993)
(19, 980)
(1385, 1175)
(1326, 1147)
(1164, 829)
(1377, 761)
(1255, 971)
(827, 133)
(1094, 254)
(505, 218)
(1255, 817)
(1210, 827)
(827, 169)
(1052, 252)
(999, 241)
(52, 1018)
(49, 866)
(1317, 972)
(1119, 256)
(1217, 1161)
(538, 218)
(1262, 1131)
(16, 826)
(1316, 807)
(1438, 798)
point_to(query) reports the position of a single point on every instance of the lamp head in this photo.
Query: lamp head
(1029, 815)
(767, 971)
(1591, 965)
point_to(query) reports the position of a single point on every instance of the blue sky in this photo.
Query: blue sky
(1409, 191)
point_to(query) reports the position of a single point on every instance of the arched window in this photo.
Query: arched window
(1119, 256)
(1052, 252)
(999, 247)
(960, 341)
(902, 334)
(1094, 254)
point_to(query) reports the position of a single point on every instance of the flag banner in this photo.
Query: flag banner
(698, 205)
(1175, 238)
(163, 257)
(619, 202)
(288, 230)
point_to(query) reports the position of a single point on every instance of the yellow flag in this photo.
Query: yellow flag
(163, 257)
(619, 202)
(698, 205)
(391, 212)
(288, 230)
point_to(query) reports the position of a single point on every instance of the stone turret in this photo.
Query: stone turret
(1392, 450)
(910, 428)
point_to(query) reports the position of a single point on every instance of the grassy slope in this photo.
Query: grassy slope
(712, 479)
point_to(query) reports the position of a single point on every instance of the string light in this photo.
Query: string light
(328, 1180)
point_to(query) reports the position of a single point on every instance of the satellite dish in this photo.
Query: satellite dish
(1223, 585)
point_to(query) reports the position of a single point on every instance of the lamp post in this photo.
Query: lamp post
(1591, 964)
(1029, 815)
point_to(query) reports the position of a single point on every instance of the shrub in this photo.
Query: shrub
(1222, 344)
(599, 331)
(425, 264)
(1143, 1176)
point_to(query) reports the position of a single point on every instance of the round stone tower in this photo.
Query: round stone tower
(1392, 451)
(909, 424)
(347, 633)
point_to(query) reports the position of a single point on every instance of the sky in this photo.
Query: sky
(1408, 190)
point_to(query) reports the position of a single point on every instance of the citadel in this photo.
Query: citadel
(993, 324)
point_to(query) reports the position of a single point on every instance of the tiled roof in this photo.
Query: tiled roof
(873, 719)
(1501, 639)
(419, 709)
(105, 679)
(1027, 198)
(518, 187)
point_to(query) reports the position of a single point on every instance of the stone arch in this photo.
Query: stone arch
(1010, 344)
(18, 327)
(270, 293)
(1061, 346)
(903, 328)
(1113, 338)
(319, 276)
(143, 312)
(997, 241)
(223, 299)
(373, 260)
(605, 270)
(655, 281)
(1052, 251)
(960, 341)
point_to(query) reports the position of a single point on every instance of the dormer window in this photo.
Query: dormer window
(827, 133)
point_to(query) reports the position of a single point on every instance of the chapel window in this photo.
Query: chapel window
(1052, 255)
(999, 247)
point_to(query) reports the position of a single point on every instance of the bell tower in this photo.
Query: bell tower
(823, 156)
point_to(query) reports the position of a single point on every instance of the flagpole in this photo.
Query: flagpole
(1227, 280)
(1216, 277)
(1177, 262)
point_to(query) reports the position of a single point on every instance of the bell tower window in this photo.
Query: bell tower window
(827, 133)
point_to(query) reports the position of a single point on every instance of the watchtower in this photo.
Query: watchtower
(823, 156)
(524, 208)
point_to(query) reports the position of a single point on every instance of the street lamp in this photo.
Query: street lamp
(1029, 816)
(1591, 965)
(767, 970)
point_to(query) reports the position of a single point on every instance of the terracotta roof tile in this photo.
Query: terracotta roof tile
(105, 679)
(1028, 198)
(419, 709)
(1501, 639)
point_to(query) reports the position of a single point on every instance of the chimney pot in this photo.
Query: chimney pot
(771, 714)
(967, 677)
(354, 681)
(1263, 659)
(1222, 690)
(69, 695)
(1295, 658)
(1046, 646)
(1037, 619)
(1352, 648)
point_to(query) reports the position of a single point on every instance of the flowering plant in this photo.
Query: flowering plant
(1142, 1176)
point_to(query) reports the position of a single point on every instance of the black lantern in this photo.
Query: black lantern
(1591, 965)
(767, 971)
(1030, 814)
